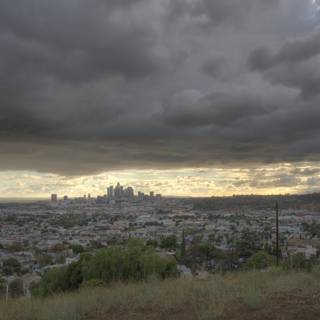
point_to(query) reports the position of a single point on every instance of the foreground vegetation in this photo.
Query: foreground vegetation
(245, 295)
(132, 262)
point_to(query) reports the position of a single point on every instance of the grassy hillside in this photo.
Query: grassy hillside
(253, 295)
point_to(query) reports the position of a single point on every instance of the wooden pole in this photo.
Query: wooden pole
(277, 232)
(7, 291)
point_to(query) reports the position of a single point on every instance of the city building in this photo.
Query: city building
(110, 192)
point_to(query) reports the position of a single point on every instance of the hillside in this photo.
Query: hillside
(252, 295)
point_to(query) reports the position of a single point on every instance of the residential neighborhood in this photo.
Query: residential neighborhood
(38, 236)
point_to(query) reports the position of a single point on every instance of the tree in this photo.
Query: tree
(16, 288)
(152, 243)
(44, 259)
(169, 243)
(260, 260)
(11, 266)
(77, 248)
(299, 261)
(54, 281)
(74, 275)
(248, 244)
(133, 262)
(3, 286)
(312, 229)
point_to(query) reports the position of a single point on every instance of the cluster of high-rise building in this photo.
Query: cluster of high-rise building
(117, 192)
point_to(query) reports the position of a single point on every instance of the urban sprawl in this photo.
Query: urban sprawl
(218, 233)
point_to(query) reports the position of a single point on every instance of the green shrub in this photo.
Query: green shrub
(299, 261)
(54, 281)
(260, 260)
(133, 262)
(11, 266)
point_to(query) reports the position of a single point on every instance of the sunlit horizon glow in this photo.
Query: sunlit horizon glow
(189, 182)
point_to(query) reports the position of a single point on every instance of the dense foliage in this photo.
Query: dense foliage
(132, 262)
(298, 261)
(312, 229)
(169, 243)
(260, 260)
(11, 266)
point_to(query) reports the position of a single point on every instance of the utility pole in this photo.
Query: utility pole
(7, 291)
(277, 232)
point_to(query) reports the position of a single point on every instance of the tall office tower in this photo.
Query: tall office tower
(130, 192)
(89, 196)
(118, 191)
(54, 198)
(110, 192)
(151, 194)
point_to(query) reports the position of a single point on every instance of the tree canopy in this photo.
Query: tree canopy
(132, 262)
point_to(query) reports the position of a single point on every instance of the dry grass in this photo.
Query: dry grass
(252, 295)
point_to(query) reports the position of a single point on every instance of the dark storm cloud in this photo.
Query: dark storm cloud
(293, 65)
(221, 109)
(87, 86)
(218, 12)
(215, 68)
(74, 40)
(291, 53)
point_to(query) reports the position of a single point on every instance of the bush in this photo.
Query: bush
(3, 286)
(260, 260)
(77, 248)
(169, 243)
(16, 288)
(133, 262)
(298, 261)
(11, 266)
(54, 281)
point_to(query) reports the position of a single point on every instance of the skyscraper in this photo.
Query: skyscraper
(110, 192)
(129, 193)
(118, 191)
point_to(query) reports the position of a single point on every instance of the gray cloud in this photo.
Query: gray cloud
(216, 68)
(75, 41)
(293, 64)
(291, 53)
(221, 109)
(282, 180)
(207, 13)
(87, 87)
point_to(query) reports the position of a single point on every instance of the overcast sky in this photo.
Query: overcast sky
(152, 91)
